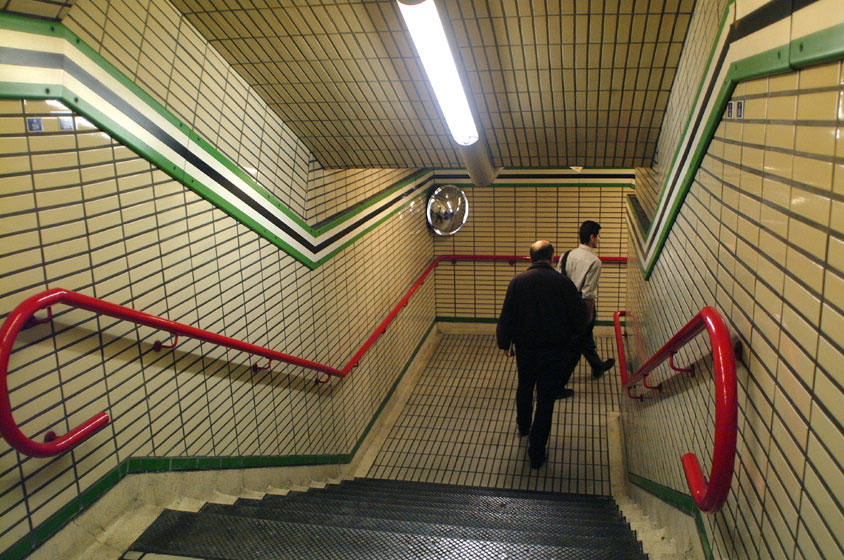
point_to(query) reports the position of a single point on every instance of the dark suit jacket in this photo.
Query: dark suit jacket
(542, 309)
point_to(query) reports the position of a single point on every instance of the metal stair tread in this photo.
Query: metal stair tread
(493, 506)
(234, 538)
(439, 514)
(619, 542)
(413, 486)
(449, 498)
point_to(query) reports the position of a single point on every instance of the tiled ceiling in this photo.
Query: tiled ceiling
(552, 83)
(581, 82)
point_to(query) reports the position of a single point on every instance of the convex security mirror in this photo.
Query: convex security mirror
(448, 210)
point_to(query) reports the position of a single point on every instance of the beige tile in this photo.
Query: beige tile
(783, 82)
(836, 218)
(838, 177)
(12, 125)
(808, 238)
(812, 523)
(815, 140)
(16, 164)
(829, 373)
(782, 108)
(811, 206)
(809, 305)
(813, 172)
(820, 76)
(810, 273)
(820, 106)
(831, 320)
(778, 163)
(15, 184)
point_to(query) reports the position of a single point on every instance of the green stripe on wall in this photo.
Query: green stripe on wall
(823, 46)
(106, 124)
(679, 500)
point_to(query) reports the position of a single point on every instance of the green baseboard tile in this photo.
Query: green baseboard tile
(99, 488)
(56, 521)
(137, 465)
(679, 500)
(20, 549)
(389, 395)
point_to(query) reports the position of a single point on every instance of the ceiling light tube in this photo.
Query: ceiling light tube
(426, 30)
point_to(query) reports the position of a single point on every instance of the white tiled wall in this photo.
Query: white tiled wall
(81, 212)
(696, 52)
(505, 221)
(158, 49)
(759, 237)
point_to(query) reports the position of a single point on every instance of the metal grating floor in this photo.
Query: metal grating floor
(459, 427)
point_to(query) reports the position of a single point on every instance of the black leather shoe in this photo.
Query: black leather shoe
(536, 462)
(564, 394)
(597, 373)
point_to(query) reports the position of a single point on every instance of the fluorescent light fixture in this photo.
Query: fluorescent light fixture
(426, 30)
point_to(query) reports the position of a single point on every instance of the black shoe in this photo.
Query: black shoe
(523, 433)
(564, 394)
(598, 372)
(536, 462)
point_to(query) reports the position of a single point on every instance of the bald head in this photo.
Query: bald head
(541, 250)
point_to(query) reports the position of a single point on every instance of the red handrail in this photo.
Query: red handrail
(708, 497)
(23, 315)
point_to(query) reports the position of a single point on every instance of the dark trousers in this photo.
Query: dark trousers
(586, 342)
(540, 369)
(585, 345)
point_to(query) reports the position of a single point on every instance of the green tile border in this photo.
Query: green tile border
(108, 125)
(816, 48)
(136, 465)
(679, 500)
(392, 389)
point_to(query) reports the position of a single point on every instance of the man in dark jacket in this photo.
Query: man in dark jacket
(541, 316)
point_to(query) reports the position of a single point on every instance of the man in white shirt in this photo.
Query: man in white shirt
(583, 267)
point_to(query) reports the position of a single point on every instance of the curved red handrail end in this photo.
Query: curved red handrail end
(8, 427)
(619, 342)
(19, 317)
(710, 497)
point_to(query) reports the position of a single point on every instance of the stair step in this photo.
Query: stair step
(489, 499)
(624, 541)
(226, 537)
(453, 516)
(521, 508)
(433, 487)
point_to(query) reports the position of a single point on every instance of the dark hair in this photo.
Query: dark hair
(588, 229)
(544, 253)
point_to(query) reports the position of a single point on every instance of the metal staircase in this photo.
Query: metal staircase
(375, 518)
